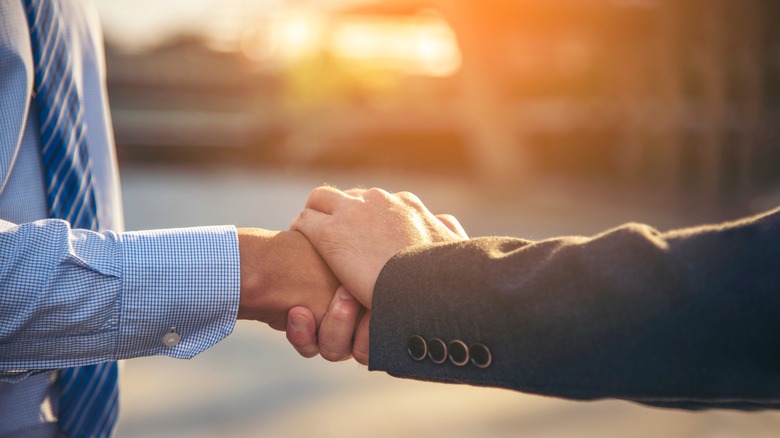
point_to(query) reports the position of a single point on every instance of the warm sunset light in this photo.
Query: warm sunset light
(424, 44)
(577, 141)
(296, 34)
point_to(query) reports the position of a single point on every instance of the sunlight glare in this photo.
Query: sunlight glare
(424, 44)
(296, 34)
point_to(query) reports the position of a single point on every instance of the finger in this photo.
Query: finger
(325, 199)
(338, 326)
(301, 328)
(361, 339)
(453, 224)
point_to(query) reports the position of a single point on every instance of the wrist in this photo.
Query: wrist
(281, 270)
(254, 247)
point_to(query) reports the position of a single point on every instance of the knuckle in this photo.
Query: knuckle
(308, 351)
(315, 193)
(343, 313)
(376, 193)
(333, 354)
(410, 199)
(319, 189)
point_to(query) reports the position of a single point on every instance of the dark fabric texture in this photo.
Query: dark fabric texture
(686, 319)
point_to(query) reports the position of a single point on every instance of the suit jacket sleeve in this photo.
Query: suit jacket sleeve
(688, 318)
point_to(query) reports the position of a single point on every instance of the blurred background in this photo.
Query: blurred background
(532, 118)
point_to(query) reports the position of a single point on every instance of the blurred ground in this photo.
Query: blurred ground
(252, 384)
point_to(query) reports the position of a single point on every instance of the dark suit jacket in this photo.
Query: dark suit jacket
(688, 318)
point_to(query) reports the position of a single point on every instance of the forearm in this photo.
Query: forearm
(72, 297)
(631, 314)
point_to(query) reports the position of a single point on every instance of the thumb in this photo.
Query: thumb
(301, 328)
(309, 223)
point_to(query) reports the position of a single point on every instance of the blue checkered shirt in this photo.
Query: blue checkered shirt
(72, 297)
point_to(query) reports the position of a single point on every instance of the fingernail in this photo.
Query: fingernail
(299, 322)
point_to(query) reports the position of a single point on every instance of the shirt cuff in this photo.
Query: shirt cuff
(180, 290)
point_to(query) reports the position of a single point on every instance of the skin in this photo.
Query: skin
(281, 270)
(357, 232)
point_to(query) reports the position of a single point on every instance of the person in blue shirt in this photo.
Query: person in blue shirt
(71, 297)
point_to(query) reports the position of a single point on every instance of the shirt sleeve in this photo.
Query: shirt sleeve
(71, 297)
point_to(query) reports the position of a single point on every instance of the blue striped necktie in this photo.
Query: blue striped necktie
(88, 398)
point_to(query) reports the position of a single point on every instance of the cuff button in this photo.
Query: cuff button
(171, 339)
(480, 355)
(417, 348)
(458, 352)
(437, 351)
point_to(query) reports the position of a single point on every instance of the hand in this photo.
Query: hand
(338, 338)
(357, 232)
(279, 271)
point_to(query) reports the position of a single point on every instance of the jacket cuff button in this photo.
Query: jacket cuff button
(437, 351)
(417, 348)
(480, 355)
(458, 352)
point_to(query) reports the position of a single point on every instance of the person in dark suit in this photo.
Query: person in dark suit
(688, 318)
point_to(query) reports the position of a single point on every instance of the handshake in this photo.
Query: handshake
(686, 318)
(317, 280)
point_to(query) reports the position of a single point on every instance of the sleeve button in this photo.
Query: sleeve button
(417, 348)
(458, 353)
(171, 339)
(437, 351)
(480, 355)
